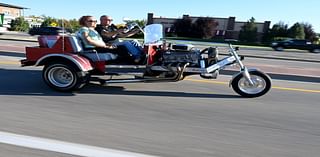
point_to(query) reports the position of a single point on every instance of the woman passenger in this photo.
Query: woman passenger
(93, 41)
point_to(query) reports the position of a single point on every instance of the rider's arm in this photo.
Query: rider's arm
(97, 43)
(108, 34)
(122, 34)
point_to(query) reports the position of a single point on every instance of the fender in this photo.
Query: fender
(81, 62)
(243, 71)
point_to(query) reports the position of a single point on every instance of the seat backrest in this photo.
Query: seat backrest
(47, 40)
(76, 44)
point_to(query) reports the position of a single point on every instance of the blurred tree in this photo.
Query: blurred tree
(279, 29)
(49, 21)
(248, 33)
(183, 27)
(296, 31)
(19, 24)
(317, 39)
(141, 23)
(74, 25)
(267, 36)
(204, 28)
(70, 25)
(310, 34)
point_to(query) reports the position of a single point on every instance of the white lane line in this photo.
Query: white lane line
(63, 147)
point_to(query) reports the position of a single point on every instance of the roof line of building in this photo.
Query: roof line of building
(12, 6)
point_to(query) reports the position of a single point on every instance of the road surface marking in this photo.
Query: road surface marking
(296, 89)
(10, 62)
(273, 87)
(63, 147)
(207, 81)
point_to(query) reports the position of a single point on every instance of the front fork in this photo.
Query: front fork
(246, 75)
(244, 69)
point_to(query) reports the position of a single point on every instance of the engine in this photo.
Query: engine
(181, 54)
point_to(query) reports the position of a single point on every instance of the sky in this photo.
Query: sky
(286, 11)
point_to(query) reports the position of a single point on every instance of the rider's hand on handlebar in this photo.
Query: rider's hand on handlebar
(111, 46)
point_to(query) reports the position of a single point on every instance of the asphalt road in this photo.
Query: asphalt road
(191, 118)
(194, 117)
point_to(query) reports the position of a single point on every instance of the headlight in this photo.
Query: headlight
(274, 44)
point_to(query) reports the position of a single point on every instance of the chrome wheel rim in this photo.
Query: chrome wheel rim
(279, 48)
(259, 84)
(60, 77)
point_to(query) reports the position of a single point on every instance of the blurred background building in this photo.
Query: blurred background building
(228, 28)
(9, 12)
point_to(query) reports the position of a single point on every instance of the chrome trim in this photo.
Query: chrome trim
(126, 66)
(235, 54)
(220, 64)
(80, 66)
(60, 77)
(187, 69)
(125, 81)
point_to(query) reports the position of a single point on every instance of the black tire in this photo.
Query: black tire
(316, 50)
(278, 48)
(63, 77)
(262, 84)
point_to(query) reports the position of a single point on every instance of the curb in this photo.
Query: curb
(278, 58)
(19, 39)
(279, 76)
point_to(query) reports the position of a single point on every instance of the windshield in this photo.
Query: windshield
(153, 34)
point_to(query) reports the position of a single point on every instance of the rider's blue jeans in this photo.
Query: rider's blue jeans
(134, 50)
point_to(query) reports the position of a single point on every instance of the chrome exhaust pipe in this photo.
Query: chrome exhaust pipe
(177, 77)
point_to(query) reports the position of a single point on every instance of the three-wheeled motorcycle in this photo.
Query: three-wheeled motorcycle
(68, 67)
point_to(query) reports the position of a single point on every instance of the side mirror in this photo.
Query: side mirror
(130, 27)
(126, 19)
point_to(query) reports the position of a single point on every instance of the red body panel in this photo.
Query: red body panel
(84, 63)
(61, 48)
(152, 51)
(62, 45)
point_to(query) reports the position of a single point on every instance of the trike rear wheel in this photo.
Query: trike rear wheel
(63, 77)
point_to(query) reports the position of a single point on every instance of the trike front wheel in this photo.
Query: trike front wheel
(261, 84)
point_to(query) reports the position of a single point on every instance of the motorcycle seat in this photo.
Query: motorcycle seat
(91, 54)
